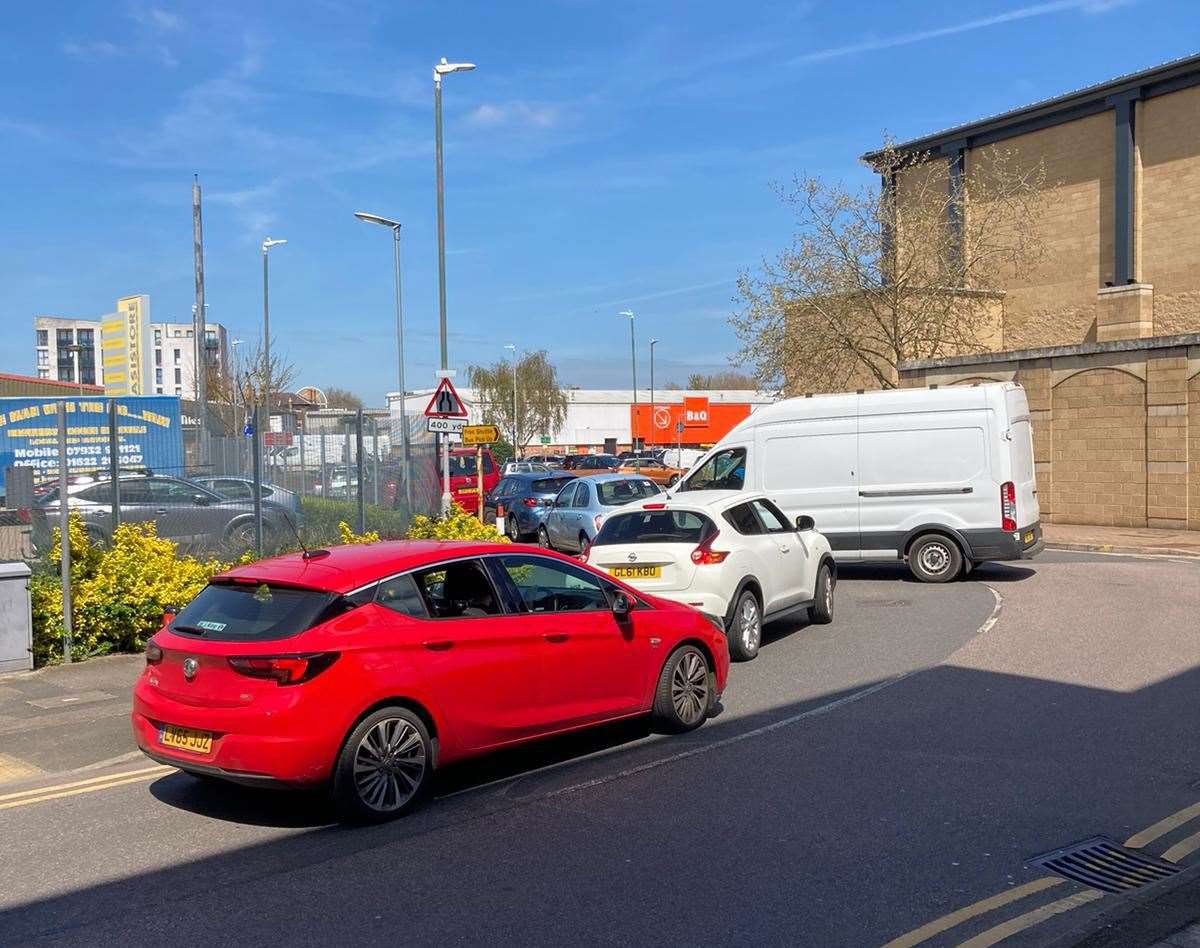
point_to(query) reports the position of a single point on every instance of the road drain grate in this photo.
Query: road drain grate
(1106, 865)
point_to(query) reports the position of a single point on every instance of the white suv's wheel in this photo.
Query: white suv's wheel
(743, 627)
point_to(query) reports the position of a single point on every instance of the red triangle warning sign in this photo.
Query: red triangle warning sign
(445, 403)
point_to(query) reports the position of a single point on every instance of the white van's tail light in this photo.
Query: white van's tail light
(1008, 506)
(705, 555)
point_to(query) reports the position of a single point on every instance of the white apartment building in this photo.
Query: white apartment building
(171, 368)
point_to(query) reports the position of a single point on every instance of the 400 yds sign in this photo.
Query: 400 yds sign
(148, 434)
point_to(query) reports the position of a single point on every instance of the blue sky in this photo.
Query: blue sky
(605, 155)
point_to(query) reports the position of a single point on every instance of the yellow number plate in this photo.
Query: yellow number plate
(183, 738)
(468, 490)
(636, 572)
(1028, 536)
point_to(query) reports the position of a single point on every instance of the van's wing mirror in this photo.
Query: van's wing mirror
(805, 522)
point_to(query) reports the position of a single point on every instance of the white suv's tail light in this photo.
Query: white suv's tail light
(1008, 506)
(705, 555)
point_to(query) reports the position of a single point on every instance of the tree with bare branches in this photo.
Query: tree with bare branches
(877, 277)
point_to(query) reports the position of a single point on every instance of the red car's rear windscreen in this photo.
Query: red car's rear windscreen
(245, 612)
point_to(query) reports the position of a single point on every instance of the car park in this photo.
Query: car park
(653, 469)
(365, 668)
(575, 516)
(192, 516)
(941, 478)
(242, 488)
(732, 555)
(526, 498)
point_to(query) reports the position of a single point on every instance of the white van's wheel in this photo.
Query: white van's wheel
(934, 558)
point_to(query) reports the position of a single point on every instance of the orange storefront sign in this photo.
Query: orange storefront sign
(704, 422)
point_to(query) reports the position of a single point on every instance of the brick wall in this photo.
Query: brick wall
(1116, 426)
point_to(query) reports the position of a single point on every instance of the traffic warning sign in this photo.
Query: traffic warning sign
(445, 402)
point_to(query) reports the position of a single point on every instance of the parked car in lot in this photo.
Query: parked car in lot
(526, 500)
(731, 555)
(574, 518)
(524, 467)
(242, 488)
(193, 516)
(552, 461)
(597, 464)
(653, 469)
(464, 476)
(941, 478)
(572, 461)
(366, 667)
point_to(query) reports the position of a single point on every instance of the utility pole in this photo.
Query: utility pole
(198, 329)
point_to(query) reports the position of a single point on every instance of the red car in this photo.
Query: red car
(464, 479)
(365, 667)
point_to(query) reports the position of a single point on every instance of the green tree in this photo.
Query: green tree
(721, 380)
(541, 403)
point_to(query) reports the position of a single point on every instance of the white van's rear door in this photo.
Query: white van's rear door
(1020, 443)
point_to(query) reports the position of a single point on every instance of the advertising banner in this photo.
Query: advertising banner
(123, 347)
(149, 434)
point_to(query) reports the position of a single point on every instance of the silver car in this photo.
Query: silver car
(580, 508)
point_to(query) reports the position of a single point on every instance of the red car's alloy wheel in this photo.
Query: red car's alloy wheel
(384, 766)
(689, 688)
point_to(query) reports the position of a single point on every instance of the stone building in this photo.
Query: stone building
(1105, 335)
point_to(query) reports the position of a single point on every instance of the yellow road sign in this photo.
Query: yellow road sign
(480, 434)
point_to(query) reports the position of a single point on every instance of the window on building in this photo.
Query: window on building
(158, 377)
(158, 390)
(43, 357)
(87, 338)
(178, 355)
(158, 337)
(43, 373)
(178, 390)
(64, 337)
(158, 356)
(189, 334)
(178, 381)
(43, 337)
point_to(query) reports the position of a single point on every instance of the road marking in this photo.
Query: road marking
(1163, 826)
(1183, 848)
(733, 739)
(13, 768)
(982, 907)
(1029, 919)
(57, 791)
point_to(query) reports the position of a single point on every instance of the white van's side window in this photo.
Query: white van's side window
(725, 470)
(810, 461)
(936, 456)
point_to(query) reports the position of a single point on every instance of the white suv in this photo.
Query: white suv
(730, 554)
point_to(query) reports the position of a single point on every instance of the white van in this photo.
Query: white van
(942, 478)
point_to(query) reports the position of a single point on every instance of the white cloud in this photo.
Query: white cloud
(495, 115)
(157, 18)
(1008, 16)
(91, 49)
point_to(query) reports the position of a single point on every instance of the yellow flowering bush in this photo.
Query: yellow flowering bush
(118, 595)
(460, 525)
(349, 536)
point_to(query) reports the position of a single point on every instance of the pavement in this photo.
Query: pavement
(888, 778)
(1142, 540)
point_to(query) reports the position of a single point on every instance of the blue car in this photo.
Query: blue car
(580, 508)
(526, 500)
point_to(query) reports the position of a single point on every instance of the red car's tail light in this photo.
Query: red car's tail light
(284, 669)
(154, 654)
(1008, 505)
(705, 555)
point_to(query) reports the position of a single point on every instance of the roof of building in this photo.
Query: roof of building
(50, 383)
(1167, 77)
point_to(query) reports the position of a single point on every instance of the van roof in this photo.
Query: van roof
(951, 398)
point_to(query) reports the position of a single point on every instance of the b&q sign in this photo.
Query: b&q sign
(695, 411)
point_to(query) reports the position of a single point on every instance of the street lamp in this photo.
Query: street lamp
(633, 357)
(258, 521)
(653, 343)
(443, 69)
(404, 453)
(514, 352)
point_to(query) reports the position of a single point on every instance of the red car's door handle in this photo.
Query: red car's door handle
(439, 645)
(555, 637)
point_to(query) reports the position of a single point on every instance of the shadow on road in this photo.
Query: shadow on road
(898, 572)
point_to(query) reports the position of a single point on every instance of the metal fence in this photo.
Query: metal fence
(219, 502)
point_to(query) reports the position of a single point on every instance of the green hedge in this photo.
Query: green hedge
(322, 515)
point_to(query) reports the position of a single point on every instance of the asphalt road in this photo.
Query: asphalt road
(863, 780)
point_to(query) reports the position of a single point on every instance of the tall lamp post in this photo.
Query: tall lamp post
(261, 438)
(633, 359)
(404, 452)
(653, 343)
(443, 69)
(514, 425)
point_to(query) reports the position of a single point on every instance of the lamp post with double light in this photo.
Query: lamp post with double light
(513, 349)
(633, 361)
(653, 343)
(260, 437)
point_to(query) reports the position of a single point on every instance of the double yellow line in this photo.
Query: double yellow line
(1035, 916)
(58, 791)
